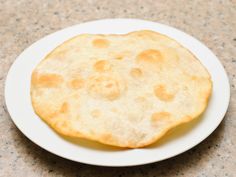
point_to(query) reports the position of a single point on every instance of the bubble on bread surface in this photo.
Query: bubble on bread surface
(163, 94)
(136, 72)
(150, 56)
(101, 66)
(47, 80)
(160, 118)
(100, 43)
(76, 83)
(104, 86)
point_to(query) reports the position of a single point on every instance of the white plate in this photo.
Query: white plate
(17, 95)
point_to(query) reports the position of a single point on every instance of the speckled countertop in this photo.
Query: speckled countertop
(25, 21)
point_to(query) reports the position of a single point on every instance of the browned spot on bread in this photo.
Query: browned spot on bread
(136, 72)
(102, 65)
(160, 117)
(34, 78)
(104, 86)
(96, 113)
(76, 83)
(64, 108)
(195, 78)
(49, 80)
(161, 93)
(100, 43)
(151, 56)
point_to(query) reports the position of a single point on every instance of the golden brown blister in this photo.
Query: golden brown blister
(162, 93)
(122, 90)
(100, 43)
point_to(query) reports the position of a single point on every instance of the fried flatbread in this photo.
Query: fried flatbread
(122, 90)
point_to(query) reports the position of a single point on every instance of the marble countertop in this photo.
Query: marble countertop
(212, 22)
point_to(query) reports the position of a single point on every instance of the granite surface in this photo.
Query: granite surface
(213, 22)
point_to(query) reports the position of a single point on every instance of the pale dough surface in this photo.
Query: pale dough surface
(122, 90)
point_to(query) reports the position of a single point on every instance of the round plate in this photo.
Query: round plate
(18, 101)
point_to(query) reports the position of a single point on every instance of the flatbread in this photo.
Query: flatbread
(122, 90)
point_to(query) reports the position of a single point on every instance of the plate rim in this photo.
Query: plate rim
(116, 19)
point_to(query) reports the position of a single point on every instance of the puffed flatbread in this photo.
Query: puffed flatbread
(122, 90)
